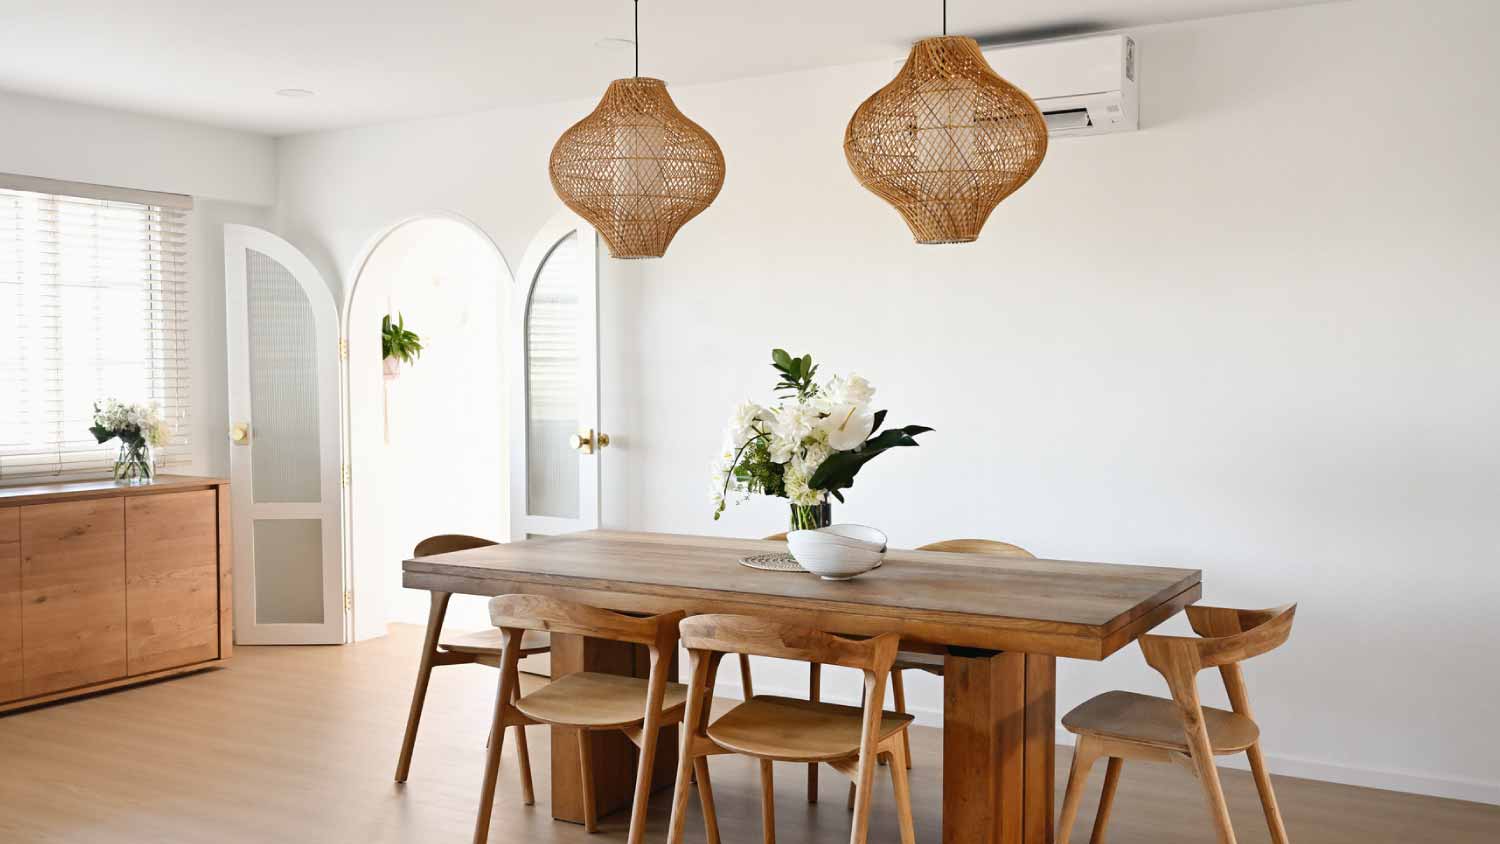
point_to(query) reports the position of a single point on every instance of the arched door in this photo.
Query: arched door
(556, 433)
(282, 338)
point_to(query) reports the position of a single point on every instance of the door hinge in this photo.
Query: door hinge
(343, 349)
(348, 601)
(346, 475)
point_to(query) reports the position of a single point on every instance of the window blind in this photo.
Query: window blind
(93, 305)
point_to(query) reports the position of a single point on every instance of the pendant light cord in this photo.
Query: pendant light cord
(945, 16)
(637, 4)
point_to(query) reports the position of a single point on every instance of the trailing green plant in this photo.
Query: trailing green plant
(397, 342)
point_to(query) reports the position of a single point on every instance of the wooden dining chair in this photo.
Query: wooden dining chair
(1125, 725)
(584, 701)
(779, 729)
(482, 648)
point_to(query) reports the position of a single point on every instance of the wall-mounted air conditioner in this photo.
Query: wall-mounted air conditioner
(1084, 86)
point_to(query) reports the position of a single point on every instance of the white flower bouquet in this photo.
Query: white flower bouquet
(808, 446)
(139, 427)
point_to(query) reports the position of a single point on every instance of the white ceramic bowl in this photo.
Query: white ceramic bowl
(859, 533)
(830, 556)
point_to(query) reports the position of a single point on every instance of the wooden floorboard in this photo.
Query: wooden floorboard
(298, 744)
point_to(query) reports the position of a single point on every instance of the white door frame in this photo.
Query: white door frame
(366, 577)
(556, 229)
(238, 239)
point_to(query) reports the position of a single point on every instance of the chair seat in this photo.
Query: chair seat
(597, 701)
(913, 661)
(487, 643)
(1156, 722)
(791, 730)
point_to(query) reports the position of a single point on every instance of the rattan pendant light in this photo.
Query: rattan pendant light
(946, 140)
(636, 168)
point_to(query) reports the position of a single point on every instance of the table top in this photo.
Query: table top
(1062, 608)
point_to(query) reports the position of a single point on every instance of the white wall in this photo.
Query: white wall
(230, 175)
(1256, 337)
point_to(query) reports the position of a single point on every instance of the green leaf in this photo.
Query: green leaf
(879, 418)
(781, 360)
(101, 433)
(838, 471)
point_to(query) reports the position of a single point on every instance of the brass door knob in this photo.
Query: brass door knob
(239, 433)
(585, 441)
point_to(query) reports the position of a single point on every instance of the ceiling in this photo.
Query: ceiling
(373, 61)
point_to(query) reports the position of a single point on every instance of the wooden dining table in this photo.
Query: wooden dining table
(998, 624)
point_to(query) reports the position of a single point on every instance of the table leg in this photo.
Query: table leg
(613, 757)
(998, 745)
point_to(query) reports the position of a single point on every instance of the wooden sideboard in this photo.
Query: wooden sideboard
(103, 585)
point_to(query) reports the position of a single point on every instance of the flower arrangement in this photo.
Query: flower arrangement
(808, 446)
(140, 429)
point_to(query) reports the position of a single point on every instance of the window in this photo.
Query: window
(93, 305)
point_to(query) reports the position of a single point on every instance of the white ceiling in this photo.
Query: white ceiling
(378, 60)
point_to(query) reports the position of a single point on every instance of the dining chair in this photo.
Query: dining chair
(780, 729)
(482, 648)
(1125, 725)
(584, 701)
(814, 694)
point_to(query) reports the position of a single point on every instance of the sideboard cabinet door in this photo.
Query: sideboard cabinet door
(72, 593)
(10, 604)
(171, 579)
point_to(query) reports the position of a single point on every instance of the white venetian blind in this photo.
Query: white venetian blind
(93, 305)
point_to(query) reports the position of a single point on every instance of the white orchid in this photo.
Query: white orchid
(840, 392)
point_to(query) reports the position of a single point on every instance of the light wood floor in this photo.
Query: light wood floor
(298, 745)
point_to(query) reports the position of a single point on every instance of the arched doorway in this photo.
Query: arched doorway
(428, 449)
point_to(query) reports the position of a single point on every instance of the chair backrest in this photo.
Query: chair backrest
(449, 542)
(742, 634)
(1230, 637)
(993, 547)
(537, 612)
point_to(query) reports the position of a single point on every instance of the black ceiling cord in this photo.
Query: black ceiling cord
(638, 37)
(945, 16)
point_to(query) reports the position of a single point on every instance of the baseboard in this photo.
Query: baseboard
(1453, 788)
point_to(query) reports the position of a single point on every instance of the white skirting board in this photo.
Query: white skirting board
(1477, 791)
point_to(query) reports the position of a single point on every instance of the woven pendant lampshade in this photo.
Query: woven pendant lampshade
(636, 168)
(946, 140)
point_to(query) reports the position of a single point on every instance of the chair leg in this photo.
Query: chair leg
(767, 802)
(706, 797)
(1267, 795)
(1106, 799)
(638, 807)
(746, 684)
(680, 788)
(523, 757)
(435, 614)
(1208, 775)
(852, 788)
(1084, 754)
(814, 694)
(492, 760)
(901, 783)
(586, 773)
(898, 687)
(864, 786)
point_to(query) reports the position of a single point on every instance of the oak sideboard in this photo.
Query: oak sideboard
(104, 585)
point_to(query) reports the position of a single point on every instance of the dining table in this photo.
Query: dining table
(997, 626)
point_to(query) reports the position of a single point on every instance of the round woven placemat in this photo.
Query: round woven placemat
(772, 562)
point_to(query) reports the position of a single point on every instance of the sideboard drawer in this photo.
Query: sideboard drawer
(72, 593)
(10, 604)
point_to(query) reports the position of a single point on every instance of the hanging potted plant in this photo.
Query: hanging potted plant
(398, 344)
